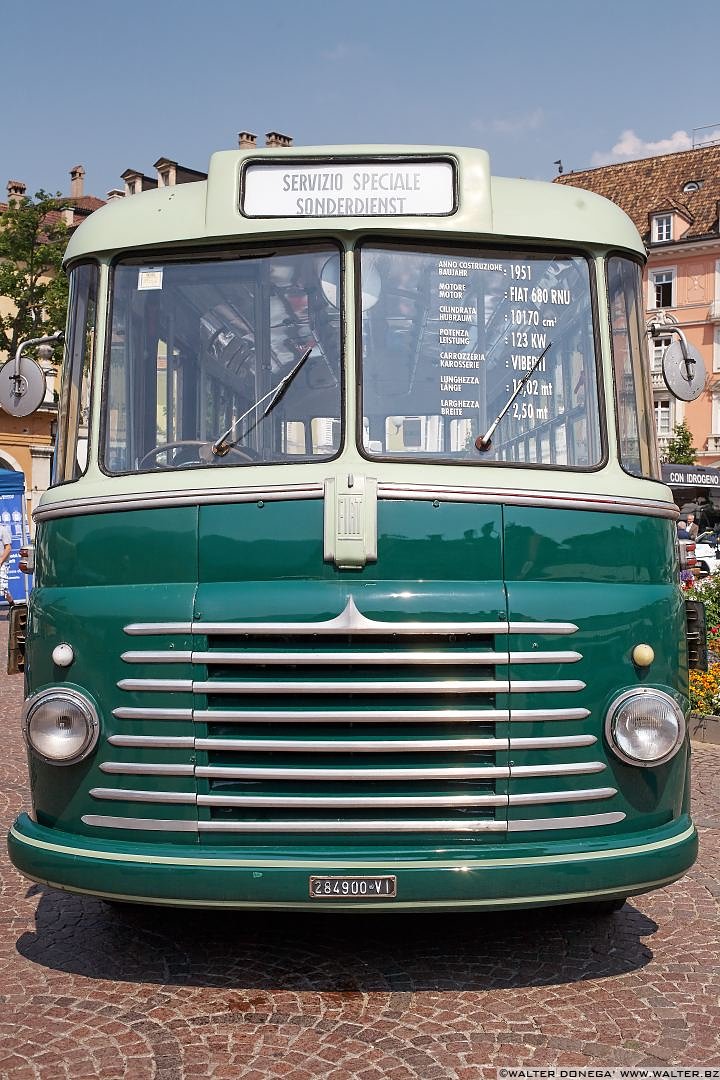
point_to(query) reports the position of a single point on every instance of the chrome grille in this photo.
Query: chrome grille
(328, 749)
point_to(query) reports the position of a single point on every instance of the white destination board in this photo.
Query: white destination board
(360, 189)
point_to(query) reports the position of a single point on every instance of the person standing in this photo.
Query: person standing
(692, 527)
(6, 544)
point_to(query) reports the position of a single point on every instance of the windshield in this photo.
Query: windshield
(447, 337)
(198, 345)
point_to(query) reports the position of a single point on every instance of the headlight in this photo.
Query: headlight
(645, 727)
(61, 726)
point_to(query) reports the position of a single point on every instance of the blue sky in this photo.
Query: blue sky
(118, 86)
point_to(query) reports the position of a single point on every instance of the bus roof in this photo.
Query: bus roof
(483, 206)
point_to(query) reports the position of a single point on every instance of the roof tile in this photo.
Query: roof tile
(651, 185)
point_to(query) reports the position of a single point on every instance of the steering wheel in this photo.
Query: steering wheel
(244, 454)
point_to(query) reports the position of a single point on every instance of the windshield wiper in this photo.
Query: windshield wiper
(483, 441)
(222, 446)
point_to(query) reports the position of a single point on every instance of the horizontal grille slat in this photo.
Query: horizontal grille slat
(348, 686)
(315, 659)
(311, 826)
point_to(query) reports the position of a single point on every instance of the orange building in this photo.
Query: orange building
(673, 200)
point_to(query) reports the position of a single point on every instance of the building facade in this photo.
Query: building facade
(673, 200)
(27, 443)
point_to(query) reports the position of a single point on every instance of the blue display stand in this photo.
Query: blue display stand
(13, 515)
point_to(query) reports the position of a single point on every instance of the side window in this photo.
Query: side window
(74, 411)
(637, 443)
(662, 289)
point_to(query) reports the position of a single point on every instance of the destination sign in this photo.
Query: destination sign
(360, 189)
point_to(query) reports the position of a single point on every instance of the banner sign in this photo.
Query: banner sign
(691, 476)
(361, 189)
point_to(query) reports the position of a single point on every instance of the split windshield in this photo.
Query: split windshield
(230, 360)
(447, 338)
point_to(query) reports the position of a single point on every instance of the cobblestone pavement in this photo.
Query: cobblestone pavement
(89, 992)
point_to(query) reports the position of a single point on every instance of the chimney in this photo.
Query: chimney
(115, 193)
(77, 178)
(274, 138)
(246, 140)
(16, 191)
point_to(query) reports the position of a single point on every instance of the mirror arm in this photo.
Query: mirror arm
(51, 339)
(663, 329)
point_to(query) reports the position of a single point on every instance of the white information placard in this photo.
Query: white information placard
(357, 189)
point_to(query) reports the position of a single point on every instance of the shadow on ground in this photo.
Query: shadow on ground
(328, 952)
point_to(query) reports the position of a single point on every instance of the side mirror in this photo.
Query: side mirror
(683, 367)
(22, 380)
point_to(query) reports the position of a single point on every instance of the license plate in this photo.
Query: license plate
(353, 888)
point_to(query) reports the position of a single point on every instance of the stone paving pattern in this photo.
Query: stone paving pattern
(87, 991)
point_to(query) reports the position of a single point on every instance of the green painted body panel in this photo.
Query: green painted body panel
(610, 575)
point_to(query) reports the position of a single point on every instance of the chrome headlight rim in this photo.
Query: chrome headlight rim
(639, 692)
(78, 700)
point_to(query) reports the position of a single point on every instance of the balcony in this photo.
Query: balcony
(713, 444)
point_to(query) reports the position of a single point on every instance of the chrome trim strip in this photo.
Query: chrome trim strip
(540, 797)
(377, 716)
(378, 826)
(169, 657)
(349, 802)
(350, 658)
(340, 745)
(344, 686)
(481, 825)
(272, 493)
(354, 746)
(165, 742)
(261, 772)
(135, 768)
(146, 824)
(351, 620)
(535, 715)
(552, 742)
(127, 795)
(563, 500)
(583, 822)
(518, 686)
(166, 499)
(172, 686)
(577, 768)
(163, 825)
(317, 658)
(370, 686)
(355, 716)
(152, 714)
(431, 772)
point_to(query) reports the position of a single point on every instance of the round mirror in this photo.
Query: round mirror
(685, 378)
(330, 284)
(22, 394)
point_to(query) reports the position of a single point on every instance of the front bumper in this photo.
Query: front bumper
(494, 877)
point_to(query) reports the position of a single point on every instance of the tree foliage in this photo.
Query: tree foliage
(33, 238)
(680, 449)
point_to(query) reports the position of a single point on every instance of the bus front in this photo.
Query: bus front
(357, 586)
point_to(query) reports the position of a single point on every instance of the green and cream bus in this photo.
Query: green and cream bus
(357, 585)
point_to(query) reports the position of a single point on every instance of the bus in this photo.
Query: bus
(356, 586)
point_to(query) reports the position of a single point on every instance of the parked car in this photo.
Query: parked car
(706, 556)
